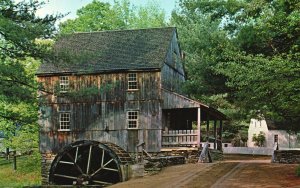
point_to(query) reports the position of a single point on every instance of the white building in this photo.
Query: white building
(273, 134)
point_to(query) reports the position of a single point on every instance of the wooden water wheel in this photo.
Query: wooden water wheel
(89, 163)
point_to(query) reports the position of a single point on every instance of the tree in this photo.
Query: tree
(264, 72)
(249, 50)
(148, 16)
(19, 30)
(19, 27)
(99, 16)
(95, 16)
(203, 42)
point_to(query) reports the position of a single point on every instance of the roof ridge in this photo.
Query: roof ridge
(121, 30)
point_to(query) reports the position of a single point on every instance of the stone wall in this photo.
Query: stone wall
(47, 159)
(286, 156)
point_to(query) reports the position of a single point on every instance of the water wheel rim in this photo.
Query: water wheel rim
(89, 162)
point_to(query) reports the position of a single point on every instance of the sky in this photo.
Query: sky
(70, 6)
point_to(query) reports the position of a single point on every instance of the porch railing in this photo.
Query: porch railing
(179, 138)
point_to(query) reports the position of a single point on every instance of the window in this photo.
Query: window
(132, 119)
(276, 138)
(64, 84)
(64, 121)
(132, 81)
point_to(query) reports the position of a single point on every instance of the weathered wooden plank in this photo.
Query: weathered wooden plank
(108, 107)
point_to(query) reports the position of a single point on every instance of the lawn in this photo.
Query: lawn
(26, 174)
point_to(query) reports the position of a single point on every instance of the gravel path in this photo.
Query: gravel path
(174, 176)
(234, 172)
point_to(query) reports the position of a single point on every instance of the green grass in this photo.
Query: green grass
(25, 175)
(298, 171)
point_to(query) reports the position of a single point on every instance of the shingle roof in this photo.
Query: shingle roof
(275, 125)
(110, 51)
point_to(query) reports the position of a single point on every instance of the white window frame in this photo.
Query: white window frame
(64, 121)
(132, 119)
(132, 81)
(64, 84)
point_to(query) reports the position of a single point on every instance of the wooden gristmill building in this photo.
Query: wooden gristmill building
(106, 93)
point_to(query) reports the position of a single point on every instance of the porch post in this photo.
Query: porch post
(215, 134)
(220, 135)
(207, 128)
(198, 127)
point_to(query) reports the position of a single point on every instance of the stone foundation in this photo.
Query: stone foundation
(286, 156)
(47, 159)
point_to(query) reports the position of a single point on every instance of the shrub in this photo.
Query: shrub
(259, 139)
(32, 163)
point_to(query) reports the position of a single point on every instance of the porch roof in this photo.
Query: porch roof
(173, 100)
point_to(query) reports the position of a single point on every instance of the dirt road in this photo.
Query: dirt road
(234, 171)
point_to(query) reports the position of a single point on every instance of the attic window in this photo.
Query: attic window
(64, 84)
(132, 81)
(132, 119)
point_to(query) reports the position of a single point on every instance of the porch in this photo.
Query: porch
(189, 123)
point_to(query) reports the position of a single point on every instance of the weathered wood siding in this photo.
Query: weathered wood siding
(172, 73)
(101, 116)
(175, 101)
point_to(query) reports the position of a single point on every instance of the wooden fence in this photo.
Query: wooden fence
(179, 138)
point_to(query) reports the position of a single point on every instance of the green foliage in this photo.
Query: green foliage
(235, 131)
(259, 139)
(19, 30)
(202, 42)
(31, 163)
(99, 16)
(298, 171)
(270, 85)
(21, 44)
(148, 16)
(244, 53)
(20, 27)
(18, 105)
(93, 17)
(85, 92)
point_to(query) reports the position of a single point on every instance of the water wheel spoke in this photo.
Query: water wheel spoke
(102, 159)
(76, 155)
(65, 176)
(101, 182)
(96, 171)
(89, 160)
(108, 162)
(76, 165)
(111, 169)
(66, 162)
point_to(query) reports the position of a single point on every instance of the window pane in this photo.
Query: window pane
(132, 124)
(132, 119)
(64, 83)
(132, 81)
(64, 121)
